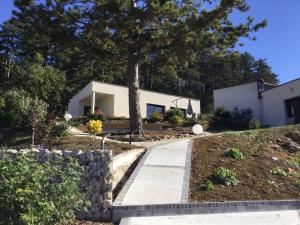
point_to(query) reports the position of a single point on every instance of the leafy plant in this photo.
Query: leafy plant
(173, 112)
(298, 183)
(296, 160)
(241, 117)
(278, 172)
(97, 115)
(176, 120)
(225, 176)
(207, 185)
(156, 117)
(39, 193)
(30, 109)
(254, 125)
(223, 114)
(234, 153)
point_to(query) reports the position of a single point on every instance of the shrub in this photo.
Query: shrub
(278, 172)
(32, 109)
(254, 125)
(97, 115)
(207, 185)
(207, 109)
(241, 117)
(94, 127)
(39, 193)
(296, 161)
(234, 153)
(222, 114)
(61, 129)
(76, 121)
(173, 112)
(219, 112)
(176, 120)
(298, 183)
(190, 122)
(2, 102)
(225, 176)
(156, 117)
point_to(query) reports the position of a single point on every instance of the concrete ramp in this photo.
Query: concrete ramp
(161, 177)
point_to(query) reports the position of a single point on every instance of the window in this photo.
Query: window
(154, 108)
(86, 110)
(291, 105)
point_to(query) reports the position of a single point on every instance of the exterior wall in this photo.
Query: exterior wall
(75, 107)
(116, 103)
(242, 96)
(274, 105)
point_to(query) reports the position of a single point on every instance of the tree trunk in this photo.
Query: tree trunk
(136, 124)
(33, 136)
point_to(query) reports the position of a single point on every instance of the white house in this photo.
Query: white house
(113, 101)
(272, 104)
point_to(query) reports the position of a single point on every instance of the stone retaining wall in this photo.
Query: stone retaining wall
(96, 182)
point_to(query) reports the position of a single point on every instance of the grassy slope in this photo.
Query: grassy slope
(255, 180)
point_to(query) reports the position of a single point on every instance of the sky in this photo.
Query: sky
(278, 43)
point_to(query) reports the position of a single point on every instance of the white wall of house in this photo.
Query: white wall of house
(274, 103)
(113, 100)
(242, 96)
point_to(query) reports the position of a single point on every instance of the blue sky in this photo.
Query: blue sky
(279, 42)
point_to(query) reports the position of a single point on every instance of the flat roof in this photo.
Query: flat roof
(274, 85)
(235, 86)
(291, 81)
(123, 86)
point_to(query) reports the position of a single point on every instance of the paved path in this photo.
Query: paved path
(162, 176)
(252, 218)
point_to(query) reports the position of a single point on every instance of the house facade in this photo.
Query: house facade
(113, 101)
(272, 105)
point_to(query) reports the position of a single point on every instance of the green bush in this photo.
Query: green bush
(156, 117)
(61, 129)
(173, 112)
(241, 118)
(207, 185)
(76, 121)
(190, 122)
(298, 183)
(254, 125)
(225, 176)
(234, 153)
(2, 102)
(176, 120)
(222, 114)
(278, 172)
(39, 193)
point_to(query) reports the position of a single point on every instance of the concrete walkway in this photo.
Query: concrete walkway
(162, 176)
(251, 218)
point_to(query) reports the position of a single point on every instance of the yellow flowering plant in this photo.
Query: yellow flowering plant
(94, 127)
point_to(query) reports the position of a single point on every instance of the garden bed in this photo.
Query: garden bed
(269, 170)
(157, 132)
(87, 143)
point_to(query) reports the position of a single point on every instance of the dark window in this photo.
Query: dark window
(86, 110)
(183, 110)
(291, 105)
(154, 108)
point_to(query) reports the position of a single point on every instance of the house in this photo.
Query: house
(113, 101)
(272, 104)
